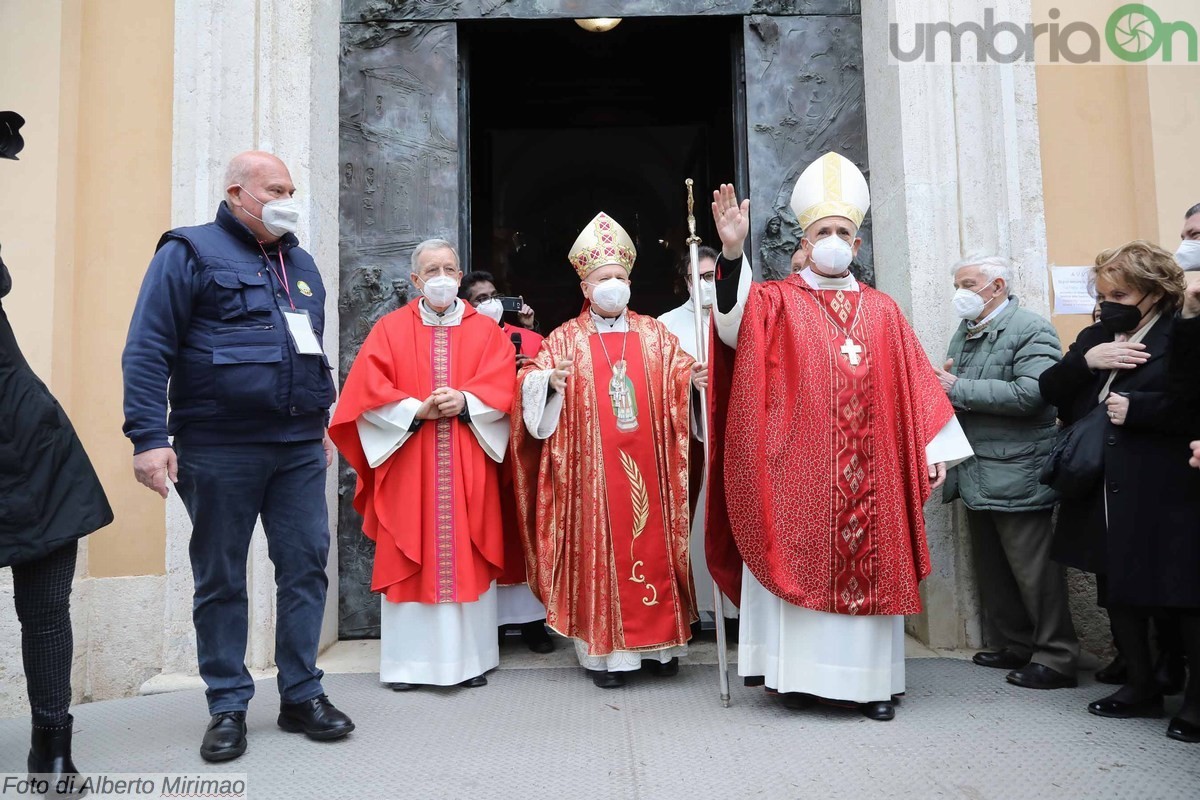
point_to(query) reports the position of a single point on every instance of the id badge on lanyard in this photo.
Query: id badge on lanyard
(300, 329)
(299, 324)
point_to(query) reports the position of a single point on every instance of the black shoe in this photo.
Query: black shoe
(667, 670)
(1171, 673)
(1114, 673)
(1183, 731)
(50, 760)
(1119, 709)
(474, 683)
(880, 712)
(536, 638)
(400, 686)
(1000, 659)
(1039, 676)
(225, 738)
(754, 680)
(797, 701)
(316, 718)
(607, 680)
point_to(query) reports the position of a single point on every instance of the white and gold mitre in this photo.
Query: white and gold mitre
(602, 242)
(831, 186)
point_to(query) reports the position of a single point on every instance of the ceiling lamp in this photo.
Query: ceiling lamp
(598, 24)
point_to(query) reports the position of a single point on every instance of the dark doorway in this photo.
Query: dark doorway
(565, 123)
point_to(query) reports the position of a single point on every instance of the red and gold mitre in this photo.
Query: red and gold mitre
(602, 242)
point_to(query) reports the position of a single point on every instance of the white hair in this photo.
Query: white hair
(431, 244)
(992, 267)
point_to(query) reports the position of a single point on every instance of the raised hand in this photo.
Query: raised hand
(525, 316)
(732, 220)
(562, 371)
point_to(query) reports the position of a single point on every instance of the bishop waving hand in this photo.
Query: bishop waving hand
(830, 432)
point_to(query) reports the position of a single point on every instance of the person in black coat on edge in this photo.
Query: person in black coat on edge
(50, 497)
(1138, 529)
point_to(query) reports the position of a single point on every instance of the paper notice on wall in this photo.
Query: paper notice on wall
(1072, 295)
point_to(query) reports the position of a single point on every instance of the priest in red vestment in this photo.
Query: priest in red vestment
(600, 434)
(830, 432)
(516, 604)
(423, 420)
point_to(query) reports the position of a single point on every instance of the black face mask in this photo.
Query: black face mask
(1120, 318)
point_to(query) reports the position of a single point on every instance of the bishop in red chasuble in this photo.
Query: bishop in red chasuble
(601, 430)
(830, 432)
(423, 420)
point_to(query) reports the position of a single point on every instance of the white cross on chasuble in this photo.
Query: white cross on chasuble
(851, 351)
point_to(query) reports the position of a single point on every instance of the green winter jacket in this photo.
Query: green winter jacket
(1009, 424)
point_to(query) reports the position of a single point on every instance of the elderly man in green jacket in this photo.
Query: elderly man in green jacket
(991, 377)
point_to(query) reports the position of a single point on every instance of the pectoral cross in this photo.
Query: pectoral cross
(850, 350)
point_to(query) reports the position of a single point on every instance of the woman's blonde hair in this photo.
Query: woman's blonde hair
(1145, 267)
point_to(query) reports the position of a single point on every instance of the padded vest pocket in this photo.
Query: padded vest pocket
(238, 294)
(247, 376)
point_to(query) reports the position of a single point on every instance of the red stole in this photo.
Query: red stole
(433, 508)
(633, 495)
(821, 464)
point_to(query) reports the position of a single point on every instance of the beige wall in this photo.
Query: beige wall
(79, 217)
(1120, 159)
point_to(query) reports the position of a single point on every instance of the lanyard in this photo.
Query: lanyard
(282, 271)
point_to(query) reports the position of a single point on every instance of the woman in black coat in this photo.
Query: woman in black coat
(1138, 528)
(49, 498)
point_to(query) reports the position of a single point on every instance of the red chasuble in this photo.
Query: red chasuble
(433, 508)
(820, 463)
(603, 503)
(514, 553)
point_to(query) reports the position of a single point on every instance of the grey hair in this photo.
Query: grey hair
(1193, 211)
(432, 244)
(993, 267)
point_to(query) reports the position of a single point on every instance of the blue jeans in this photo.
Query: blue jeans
(225, 488)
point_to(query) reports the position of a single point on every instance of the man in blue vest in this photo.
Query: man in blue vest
(230, 317)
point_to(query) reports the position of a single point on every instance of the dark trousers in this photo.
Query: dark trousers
(225, 488)
(42, 591)
(1022, 590)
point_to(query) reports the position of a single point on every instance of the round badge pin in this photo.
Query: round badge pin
(304, 289)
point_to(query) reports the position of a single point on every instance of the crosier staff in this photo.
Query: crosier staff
(693, 242)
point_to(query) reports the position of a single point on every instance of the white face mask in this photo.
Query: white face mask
(968, 304)
(611, 295)
(832, 256)
(440, 291)
(278, 216)
(492, 307)
(708, 293)
(1188, 255)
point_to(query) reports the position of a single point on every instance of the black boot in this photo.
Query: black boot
(663, 670)
(536, 638)
(603, 679)
(50, 760)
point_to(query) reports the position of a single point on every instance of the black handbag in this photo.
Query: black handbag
(1076, 464)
